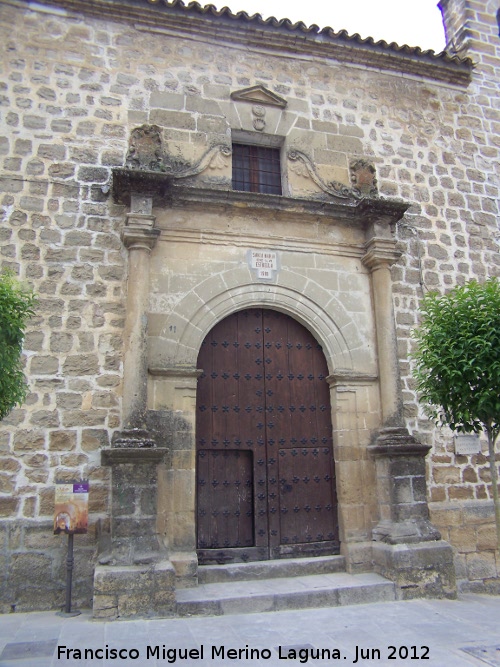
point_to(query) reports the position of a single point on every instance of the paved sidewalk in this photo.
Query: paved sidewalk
(437, 633)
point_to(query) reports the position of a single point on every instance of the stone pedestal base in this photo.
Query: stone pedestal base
(423, 570)
(134, 578)
(407, 548)
(186, 568)
(128, 591)
(134, 537)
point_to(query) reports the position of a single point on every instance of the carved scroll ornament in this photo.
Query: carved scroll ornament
(146, 154)
(302, 165)
(214, 158)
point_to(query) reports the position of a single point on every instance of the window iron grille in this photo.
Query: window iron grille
(256, 169)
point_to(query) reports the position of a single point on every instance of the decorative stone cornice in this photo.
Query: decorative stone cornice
(126, 181)
(357, 211)
(165, 191)
(380, 252)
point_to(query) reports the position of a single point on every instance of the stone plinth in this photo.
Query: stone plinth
(404, 513)
(134, 576)
(123, 591)
(407, 548)
(134, 536)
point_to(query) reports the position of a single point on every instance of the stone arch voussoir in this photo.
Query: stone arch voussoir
(321, 313)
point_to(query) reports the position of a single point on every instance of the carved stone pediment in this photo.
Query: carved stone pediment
(259, 95)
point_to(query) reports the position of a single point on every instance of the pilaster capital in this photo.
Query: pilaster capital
(380, 253)
(139, 231)
(140, 236)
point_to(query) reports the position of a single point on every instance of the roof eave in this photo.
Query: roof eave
(207, 22)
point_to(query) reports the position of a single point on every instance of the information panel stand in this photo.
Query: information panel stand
(71, 517)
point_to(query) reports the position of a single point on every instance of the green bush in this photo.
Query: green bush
(458, 363)
(16, 307)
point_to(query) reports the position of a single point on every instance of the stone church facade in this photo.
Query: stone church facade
(229, 224)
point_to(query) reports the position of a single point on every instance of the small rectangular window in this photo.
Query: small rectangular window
(256, 169)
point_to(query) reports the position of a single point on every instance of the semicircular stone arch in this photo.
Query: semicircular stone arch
(309, 303)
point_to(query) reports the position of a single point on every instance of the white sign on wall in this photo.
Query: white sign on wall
(263, 262)
(467, 444)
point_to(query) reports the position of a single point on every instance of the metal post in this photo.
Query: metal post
(69, 573)
(69, 580)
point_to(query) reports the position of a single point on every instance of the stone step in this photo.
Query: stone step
(270, 569)
(284, 593)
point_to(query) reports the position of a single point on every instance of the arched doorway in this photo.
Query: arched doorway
(265, 472)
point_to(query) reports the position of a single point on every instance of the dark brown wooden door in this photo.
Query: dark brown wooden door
(265, 474)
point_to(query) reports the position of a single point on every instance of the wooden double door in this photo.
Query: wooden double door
(265, 471)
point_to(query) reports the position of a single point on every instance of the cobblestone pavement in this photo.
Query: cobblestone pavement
(437, 633)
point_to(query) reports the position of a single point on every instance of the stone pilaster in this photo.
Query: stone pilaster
(354, 416)
(134, 576)
(380, 255)
(134, 457)
(407, 548)
(173, 396)
(139, 237)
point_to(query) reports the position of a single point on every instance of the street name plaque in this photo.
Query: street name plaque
(466, 444)
(263, 262)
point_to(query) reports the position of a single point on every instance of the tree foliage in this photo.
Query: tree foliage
(16, 307)
(457, 363)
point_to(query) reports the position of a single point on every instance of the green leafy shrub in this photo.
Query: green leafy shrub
(16, 307)
(457, 363)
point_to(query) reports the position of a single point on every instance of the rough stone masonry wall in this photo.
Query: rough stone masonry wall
(450, 236)
(73, 90)
(61, 235)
